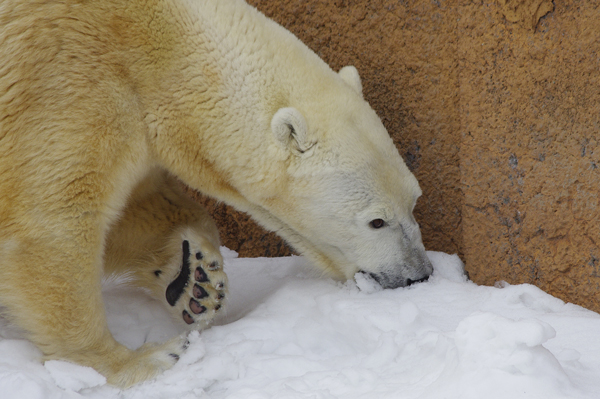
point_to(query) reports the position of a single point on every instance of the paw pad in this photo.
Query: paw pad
(200, 292)
(200, 275)
(187, 318)
(195, 307)
(205, 290)
(175, 289)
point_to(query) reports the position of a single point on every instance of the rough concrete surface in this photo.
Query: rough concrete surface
(530, 112)
(495, 107)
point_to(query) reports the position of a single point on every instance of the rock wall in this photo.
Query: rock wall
(530, 126)
(495, 107)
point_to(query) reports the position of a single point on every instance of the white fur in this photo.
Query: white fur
(350, 75)
(290, 130)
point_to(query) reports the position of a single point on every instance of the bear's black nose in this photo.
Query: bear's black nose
(411, 282)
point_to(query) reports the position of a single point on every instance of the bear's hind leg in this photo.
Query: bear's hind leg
(167, 243)
(197, 289)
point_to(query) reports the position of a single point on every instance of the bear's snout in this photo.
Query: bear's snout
(390, 282)
(415, 270)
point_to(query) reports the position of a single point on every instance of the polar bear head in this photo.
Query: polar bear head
(348, 197)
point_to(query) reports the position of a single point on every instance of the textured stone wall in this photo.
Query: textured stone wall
(497, 113)
(530, 125)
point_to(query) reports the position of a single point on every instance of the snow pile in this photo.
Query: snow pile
(73, 377)
(289, 334)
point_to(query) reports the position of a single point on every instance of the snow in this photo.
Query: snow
(73, 377)
(289, 333)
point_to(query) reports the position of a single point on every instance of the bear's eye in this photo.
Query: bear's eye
(377, 223)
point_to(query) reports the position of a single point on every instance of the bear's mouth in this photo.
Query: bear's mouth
(386, 281)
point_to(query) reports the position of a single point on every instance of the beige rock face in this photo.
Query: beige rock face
(495, 107)
(530, 123)
(526, 12)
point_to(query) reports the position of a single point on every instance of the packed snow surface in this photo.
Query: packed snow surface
(289, 333)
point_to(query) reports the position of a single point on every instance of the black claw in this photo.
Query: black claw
(175, 289)
(213, 266)
(174, 355)
(199, 255)
(200, 275)
(220, 286)
(221, 296)
(157, 272)
(217, 307)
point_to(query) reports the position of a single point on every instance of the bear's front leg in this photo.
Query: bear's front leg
(51, 288)
(168, 244)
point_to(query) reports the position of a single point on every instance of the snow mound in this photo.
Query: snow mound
(289, 333)
(73, 377)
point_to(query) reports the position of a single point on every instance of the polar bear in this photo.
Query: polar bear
(105, 106)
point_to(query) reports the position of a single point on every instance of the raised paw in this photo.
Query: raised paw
(199, 289)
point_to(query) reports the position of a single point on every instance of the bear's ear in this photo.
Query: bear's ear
(290, 130)
(349, 74)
